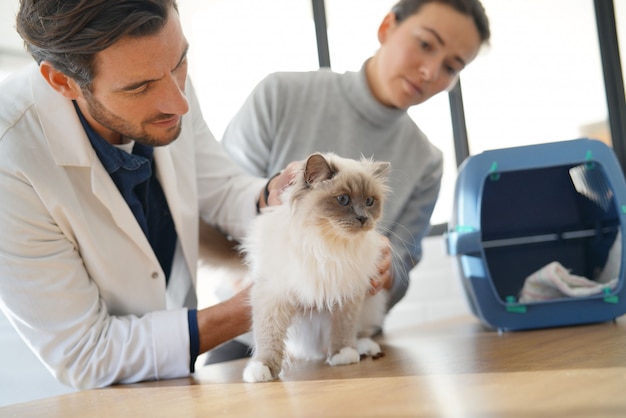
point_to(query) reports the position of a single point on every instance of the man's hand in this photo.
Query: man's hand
(225, 320)
(385, 277)
(278, 183)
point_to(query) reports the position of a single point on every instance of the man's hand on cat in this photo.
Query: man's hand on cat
(281, 181)
(278, 183)
(385, 278)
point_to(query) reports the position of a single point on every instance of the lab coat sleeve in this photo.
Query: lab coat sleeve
(50, 298)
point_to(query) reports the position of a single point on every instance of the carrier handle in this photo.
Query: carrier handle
(463, 241)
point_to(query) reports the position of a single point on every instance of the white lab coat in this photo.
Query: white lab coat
(78, 278)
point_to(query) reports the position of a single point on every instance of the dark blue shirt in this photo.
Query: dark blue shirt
(134, 175)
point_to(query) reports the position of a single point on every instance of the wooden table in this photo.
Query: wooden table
(453, 368)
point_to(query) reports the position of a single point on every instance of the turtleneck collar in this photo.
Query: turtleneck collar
(359, 94)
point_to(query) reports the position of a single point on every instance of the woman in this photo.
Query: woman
(424, 45)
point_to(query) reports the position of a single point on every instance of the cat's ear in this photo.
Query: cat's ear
(317, 169)
(381, 169)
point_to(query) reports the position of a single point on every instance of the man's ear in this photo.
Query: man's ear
(59, 81)
(388, 23)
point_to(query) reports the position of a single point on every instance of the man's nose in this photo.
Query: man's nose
(174, 101)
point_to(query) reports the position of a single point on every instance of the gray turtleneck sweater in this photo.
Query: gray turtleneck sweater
(291, 115)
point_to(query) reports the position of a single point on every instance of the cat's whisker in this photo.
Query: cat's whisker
(399, 262)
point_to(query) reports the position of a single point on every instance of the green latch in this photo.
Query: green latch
(608, 298)
(589, 160)
(493, 172)
(513, 307)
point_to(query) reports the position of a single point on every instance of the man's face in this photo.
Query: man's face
(138, 89)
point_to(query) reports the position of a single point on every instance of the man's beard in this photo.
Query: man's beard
(129, 132)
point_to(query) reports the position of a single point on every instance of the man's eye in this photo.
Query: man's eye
(343, 199)
(140, 90)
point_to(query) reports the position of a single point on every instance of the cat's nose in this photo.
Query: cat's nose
(362, 219)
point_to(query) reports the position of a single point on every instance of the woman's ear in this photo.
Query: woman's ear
(388, 23)
(59, 81)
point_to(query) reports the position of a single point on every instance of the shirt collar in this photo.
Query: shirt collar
(111, 157)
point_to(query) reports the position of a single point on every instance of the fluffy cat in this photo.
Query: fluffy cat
(311, 260)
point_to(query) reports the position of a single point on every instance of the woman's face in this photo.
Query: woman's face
(422, 55)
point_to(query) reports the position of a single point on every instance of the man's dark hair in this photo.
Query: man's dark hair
(69, 33)
(473, 8)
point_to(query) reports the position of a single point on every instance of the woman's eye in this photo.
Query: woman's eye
(343, 199)
(369, 201)
(451, 70)
(425, 45)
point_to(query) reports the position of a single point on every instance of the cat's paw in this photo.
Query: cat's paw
(256, 371)
(367, 347)
(346, 355)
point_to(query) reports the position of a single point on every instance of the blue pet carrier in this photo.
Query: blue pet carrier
(518, 210)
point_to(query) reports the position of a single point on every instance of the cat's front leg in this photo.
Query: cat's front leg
(343, 341)
(257, 371)
(368, 347)
(270, 320)
(370, 322)
(347, 355)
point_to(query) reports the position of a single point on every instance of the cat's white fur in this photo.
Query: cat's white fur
(312, 276)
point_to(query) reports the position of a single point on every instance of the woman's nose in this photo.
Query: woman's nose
(430, 70)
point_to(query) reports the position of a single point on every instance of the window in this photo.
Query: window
(541, 80)
(234, 44)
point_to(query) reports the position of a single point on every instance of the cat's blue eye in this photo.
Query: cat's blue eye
(343, 199)
(369, 201)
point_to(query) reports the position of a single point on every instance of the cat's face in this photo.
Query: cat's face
(340, 195)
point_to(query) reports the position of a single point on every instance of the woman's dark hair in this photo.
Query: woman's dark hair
(69, 33)
(472, 8)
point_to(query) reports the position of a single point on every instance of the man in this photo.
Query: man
(106, 165)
